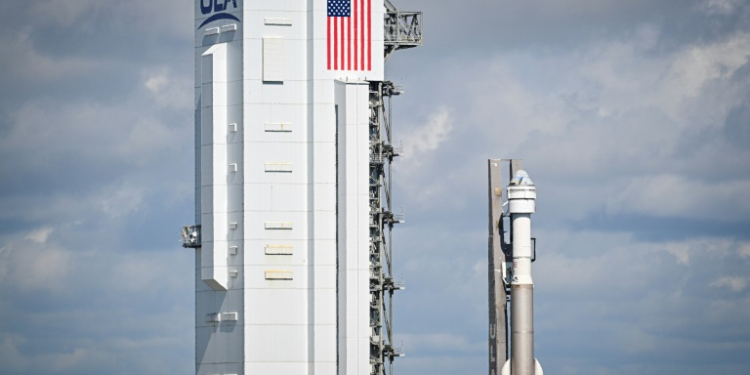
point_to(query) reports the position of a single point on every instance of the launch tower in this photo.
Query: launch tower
(293, 212)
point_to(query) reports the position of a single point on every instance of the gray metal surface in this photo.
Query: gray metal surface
(402, 29)
(522, 330)
(498, 318)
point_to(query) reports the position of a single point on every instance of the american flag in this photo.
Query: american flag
(349, 35)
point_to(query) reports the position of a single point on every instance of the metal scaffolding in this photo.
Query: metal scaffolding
(382, 219)
(402, 30)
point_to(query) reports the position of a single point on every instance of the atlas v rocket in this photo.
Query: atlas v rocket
(510, 278)
(292, 216)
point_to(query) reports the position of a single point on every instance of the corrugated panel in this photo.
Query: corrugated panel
(274, 58)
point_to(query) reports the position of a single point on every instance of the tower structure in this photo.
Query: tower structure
(293, 206)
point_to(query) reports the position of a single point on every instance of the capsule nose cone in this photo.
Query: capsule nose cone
(522, 178)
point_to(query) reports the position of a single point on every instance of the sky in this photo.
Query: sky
(632, 117)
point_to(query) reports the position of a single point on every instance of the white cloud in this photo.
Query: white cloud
(428, 136)
(695, 66)
(736, 284)
(722, 7)
(34, 264)
(169, 89)
(40, 235)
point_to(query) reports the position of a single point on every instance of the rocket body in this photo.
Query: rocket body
(522, 203)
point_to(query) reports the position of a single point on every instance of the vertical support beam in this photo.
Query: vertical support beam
(497, 296)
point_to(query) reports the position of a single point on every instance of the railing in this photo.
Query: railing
(403, 29)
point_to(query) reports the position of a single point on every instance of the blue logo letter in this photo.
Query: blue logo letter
(206, 9)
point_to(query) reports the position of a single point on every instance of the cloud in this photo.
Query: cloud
(63, 13)
(46, 132)
(26, 63)
(736, 284)
(428, 136)
(642, 296)
(40, 236)
(677, 196)
(721, 7)
(169, 89)
(599, 121)
(420, 144)
(32, 264)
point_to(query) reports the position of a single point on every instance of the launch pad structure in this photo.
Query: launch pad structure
(294, 208)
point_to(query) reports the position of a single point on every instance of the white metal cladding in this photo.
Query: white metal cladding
(274, 58)
(353, 114)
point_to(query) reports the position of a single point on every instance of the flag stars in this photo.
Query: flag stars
(339, 8)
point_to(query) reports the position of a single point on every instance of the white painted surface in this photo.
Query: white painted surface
(274, 58)
(351, 100)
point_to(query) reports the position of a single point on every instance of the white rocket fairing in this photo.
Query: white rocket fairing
(282, 151)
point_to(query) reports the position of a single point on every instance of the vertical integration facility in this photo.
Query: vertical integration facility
(293, 213)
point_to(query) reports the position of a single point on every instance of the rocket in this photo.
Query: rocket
(521, 204)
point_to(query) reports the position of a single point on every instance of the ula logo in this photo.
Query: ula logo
(208, 6)
(216, 6)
